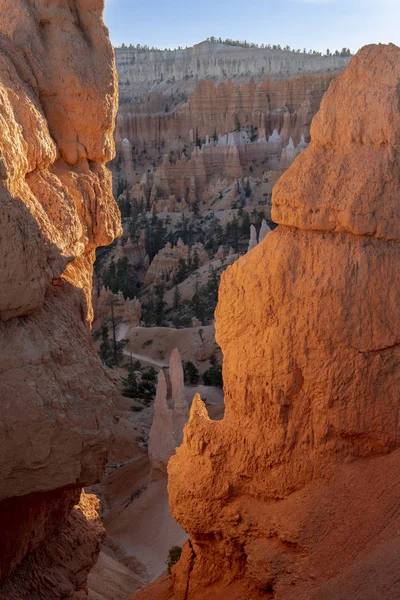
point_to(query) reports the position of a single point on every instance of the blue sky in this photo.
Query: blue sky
(317, 24)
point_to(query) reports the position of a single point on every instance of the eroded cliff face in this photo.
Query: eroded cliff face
(57, 110)
(287, 105)
(223, 132)
(176, 72)
(294, 494)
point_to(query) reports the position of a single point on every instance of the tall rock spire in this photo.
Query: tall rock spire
(179, 405)
(161, 439)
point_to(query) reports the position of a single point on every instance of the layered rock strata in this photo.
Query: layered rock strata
(57, 111)
(175, 73)
(294, 495)
(223, 132)
(286, 105)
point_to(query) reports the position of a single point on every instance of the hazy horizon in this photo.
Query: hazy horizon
(313, 24)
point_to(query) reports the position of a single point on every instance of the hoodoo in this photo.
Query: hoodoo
(57, 111)
(295, 494)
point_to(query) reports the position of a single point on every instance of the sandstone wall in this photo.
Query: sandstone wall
(57, 110)
(294, 495)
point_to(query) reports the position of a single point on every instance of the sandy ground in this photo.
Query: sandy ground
(145, 529)
(111, 580)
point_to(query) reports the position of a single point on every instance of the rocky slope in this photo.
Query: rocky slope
(294, 495)
(57, 111)
(201, 163)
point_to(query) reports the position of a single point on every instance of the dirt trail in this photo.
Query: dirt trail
(122, 333)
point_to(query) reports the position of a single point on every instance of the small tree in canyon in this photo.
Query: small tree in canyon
(115, 347)
(160, 304)
(177, 297)
(191, 372)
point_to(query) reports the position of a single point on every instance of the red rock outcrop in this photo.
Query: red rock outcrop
(57, 111)
(295, 494)
(129, 310)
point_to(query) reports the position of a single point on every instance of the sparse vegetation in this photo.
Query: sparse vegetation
(121, 277)
(174, 555)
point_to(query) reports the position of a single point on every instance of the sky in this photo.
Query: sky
(316, 24)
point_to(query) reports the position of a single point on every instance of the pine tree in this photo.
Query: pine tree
(159, 304)
(191, 372)
(196, 260)
(105, 351)
(116, 346)
(198, 141)
(182, 271)
(177, 297)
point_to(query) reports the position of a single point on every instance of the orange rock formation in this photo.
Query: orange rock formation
(57, 111)
(295, 494)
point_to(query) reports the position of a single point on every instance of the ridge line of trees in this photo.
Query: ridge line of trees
(241, 44)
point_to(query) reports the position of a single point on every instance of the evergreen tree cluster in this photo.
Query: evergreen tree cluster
(140, 384)
(213, 375)
(202, 305)
(241, 44)
(121, 277)
(191, 373)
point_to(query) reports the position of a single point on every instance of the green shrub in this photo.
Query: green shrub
(173, 556)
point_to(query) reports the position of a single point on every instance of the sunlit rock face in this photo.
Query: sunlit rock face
(57, 110)
(292, 495)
